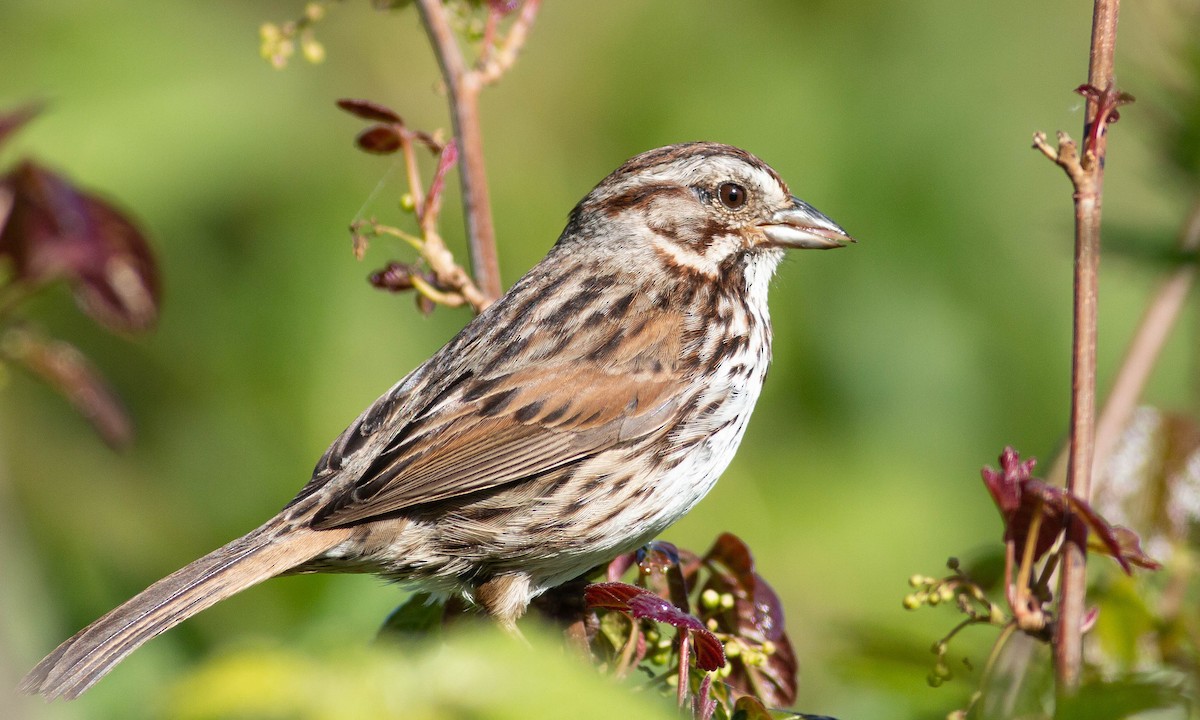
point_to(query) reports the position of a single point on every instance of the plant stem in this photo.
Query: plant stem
(463, 85)
(1088, 195)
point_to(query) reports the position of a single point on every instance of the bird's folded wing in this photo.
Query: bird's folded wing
(488, 433)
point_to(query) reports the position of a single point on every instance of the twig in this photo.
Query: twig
(1087, 175)
(496, 60)
(463, 85)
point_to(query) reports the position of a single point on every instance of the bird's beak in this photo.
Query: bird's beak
(801, 225)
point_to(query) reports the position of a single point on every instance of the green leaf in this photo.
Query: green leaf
(419, 615)
(1119, 699)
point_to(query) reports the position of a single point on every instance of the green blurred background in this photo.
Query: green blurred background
(902, 364)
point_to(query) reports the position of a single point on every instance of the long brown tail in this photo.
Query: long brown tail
(90, 654)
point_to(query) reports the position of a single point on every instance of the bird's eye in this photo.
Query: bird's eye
(732, 195)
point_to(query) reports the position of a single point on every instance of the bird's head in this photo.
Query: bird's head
(700, 207)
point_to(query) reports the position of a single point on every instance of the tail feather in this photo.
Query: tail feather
(90, 654)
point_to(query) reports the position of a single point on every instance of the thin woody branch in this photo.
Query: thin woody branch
(498, 58)
(1086, 171)
(463, 87)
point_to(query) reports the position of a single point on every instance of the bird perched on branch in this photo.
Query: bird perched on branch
(586, 410)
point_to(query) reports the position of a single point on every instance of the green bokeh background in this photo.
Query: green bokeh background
(902, 364)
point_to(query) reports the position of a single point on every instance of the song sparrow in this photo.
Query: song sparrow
(581, 414)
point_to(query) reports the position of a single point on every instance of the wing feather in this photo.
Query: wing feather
(527, 423)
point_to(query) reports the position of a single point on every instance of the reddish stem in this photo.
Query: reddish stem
(1088, 194)
(463, 86)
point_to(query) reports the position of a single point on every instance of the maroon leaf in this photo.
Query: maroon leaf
(393, 277)
(1107, 101)
(611, 595)
(703, 704)
(379, 140)
(756, 617)
(61, 366)
(368, 110)
(730, 551)
(619, 565)
(56, 231)
(425, 305)
(14, 120)
(640, 604)
(776, 680)
(1131, 548)
(768, 610)
(651, 607)
(1021, 497)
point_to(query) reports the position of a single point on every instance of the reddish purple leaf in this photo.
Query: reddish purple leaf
(703, 703)
(641, 604)
(57, 232)
(757, 618)
(61, 366)
(379, 140)
(425, 305)
(124, 294)
(768, 610)
(651, 607)
(1020, 497)
(612, 595)
(776, 680)
(732, 553)
(393, 277)
(1131, 549)
(619, 566)
(368, 110)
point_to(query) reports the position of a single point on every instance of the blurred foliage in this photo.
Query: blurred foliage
(481, 675)
(900, 364)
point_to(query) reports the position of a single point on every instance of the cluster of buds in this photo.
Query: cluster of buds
(278, 41)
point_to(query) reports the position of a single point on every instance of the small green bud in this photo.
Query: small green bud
(768, 647)
(407, 202)
(710, 599)
(934, 598)
(726, 601)
(313, 50)
(733, 648)
(916, 581)
(911, 602)
(946, 593)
